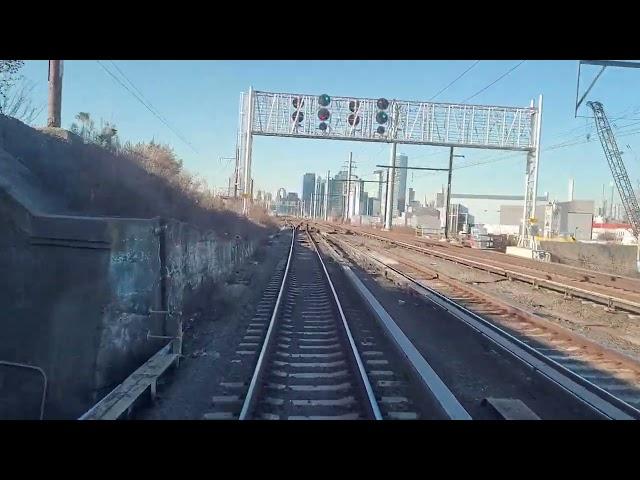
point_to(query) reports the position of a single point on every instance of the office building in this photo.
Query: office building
(308, 187)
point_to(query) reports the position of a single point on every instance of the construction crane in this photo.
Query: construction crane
(614, 158)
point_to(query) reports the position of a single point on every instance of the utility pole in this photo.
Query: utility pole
(314, 196)
(447, 221)
(55, 94)
(391, 174)
(326, 197)
(347, 203)
(446, 210)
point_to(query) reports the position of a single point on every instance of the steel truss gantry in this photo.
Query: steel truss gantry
(409, 122)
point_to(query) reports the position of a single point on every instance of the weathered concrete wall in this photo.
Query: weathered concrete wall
(196, 261)
(619, 259)
(77, 293)
(76, 290)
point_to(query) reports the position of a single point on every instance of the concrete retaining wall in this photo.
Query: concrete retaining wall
(618, 259)
(77, 284)
(76, 294)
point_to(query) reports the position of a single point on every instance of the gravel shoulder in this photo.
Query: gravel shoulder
(210, 340)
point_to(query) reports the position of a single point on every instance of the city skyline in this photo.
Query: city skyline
(207, 117)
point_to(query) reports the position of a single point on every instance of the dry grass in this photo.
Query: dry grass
(145, 180)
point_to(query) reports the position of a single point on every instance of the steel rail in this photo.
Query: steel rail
(373, 403)
(540, 282)
(428, 378)
(580, 388)
(250, 399)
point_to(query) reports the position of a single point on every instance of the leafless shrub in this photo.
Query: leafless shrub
(18, 103)
(16, 93)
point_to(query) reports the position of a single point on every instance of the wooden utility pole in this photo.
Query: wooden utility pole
(55, 94)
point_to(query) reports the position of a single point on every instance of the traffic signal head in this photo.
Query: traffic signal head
(324, 100)
(382, 117)
(324, 114)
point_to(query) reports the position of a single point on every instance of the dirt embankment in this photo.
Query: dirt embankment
(92, 181)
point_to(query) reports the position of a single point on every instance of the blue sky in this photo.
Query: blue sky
(200, 99)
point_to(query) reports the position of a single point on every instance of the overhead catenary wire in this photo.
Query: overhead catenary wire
(455, 80)
(550, 148)
(148, 107)
(494, 82)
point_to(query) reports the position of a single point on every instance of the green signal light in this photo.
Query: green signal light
(324, 100)
(382, 117)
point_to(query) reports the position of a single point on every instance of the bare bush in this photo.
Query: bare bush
(187, 193)
(9, 75)
(16, 93)
(18, 103)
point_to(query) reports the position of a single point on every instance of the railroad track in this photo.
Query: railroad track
(606, 381)
(310, 361)
(546, 270)
(609, 296)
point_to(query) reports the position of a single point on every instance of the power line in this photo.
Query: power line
(133, 86)
(454, 81)
(494, 82)
(150, 108)
(552, 147)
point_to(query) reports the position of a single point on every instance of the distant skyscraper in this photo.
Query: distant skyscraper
(308, 187)
(337, 188)
(400, 184)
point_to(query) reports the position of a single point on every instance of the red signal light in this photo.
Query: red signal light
(324, 114)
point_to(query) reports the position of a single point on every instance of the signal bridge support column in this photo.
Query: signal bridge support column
(247, 194)
(527, 239)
